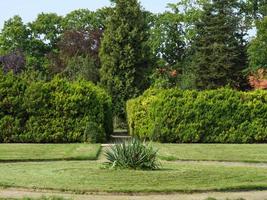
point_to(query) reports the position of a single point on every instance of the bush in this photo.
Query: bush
(132, 155)
(53, 112)
(12, 113)
(212, 116)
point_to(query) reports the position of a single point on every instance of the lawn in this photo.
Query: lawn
(90, 176)
(34, 152)
(214, 152)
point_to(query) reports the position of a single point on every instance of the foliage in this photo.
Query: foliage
(49, 33)
(175, 39)
(12, 113)
(47, 29)
(77, 55)
(168, 44)
(257, 7)
(55, 111)
(80, 19)
(124, 54)
(257, 50)
(14, 61)
(81, 67)
(188, 13)
(212, 116)
(167, 37)
(258, 79)
(34, 40)
(84, 19)
(81, 42)
(14, 35)
(135, 40)
(132, 155)
(218, 55)
(165, 77)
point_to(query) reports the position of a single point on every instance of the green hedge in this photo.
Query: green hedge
(53, 112)
(213, 116)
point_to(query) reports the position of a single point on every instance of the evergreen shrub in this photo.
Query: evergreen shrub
(57, 111)
(211, 116)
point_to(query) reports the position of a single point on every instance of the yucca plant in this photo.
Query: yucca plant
(132, 154)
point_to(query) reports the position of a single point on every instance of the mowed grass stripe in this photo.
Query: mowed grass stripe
(214, 152)
(43, 152)
(86, 176)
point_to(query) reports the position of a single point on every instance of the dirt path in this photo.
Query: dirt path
(19, 193)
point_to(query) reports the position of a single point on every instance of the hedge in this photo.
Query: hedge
(212, 116)
(53, 112)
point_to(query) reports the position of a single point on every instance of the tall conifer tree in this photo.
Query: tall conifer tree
(219, 58)
(124, 53)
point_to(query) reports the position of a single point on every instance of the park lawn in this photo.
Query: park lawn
(213, 152)
(39, 152)
(91, 176)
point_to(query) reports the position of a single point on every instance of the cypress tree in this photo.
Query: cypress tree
(218, 59)
(124, 53)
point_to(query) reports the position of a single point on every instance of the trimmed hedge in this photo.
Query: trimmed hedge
(53, 112)
(212, 116)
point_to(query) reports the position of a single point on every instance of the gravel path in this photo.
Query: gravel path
(19, 193)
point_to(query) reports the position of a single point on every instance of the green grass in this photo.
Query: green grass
(90, 176)
(34, 152)
(214, 152)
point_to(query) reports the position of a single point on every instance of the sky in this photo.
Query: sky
(28, 9)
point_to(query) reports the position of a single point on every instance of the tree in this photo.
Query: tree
(84, 19)
(79, 45)
(41, 40)
(257, 7)
(14, 61)
(81, 42)
(124, 54)
(80, 19)
(168, 37)
(47, 29)
(45, 32)
(77, 55)
(14, 36)
(167, 42)
(16, 39)
(258, 47)
(35, 40)
(218, 58)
